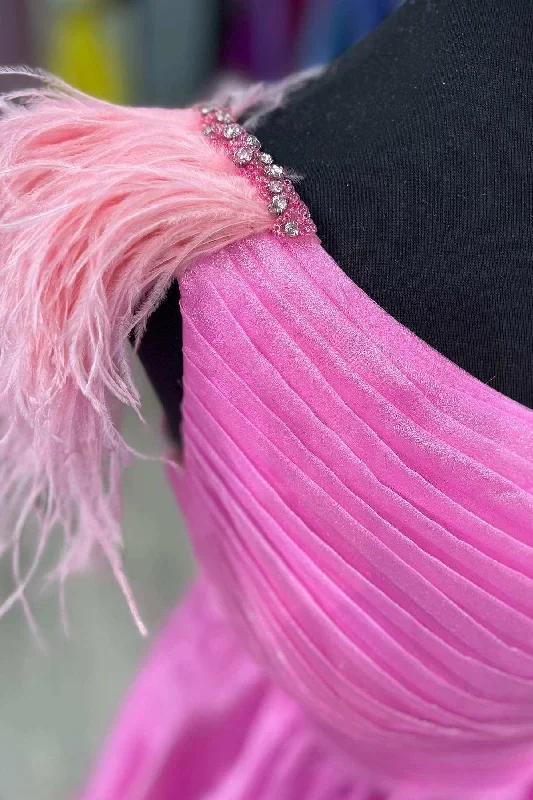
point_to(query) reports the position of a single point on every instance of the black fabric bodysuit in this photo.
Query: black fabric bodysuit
(416, 157)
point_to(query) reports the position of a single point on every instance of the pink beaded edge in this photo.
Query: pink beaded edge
(292, 217)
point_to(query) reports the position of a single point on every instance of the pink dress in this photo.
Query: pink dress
(360, 507)
(362, 513)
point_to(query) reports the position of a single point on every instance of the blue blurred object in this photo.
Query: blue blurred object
(331, 26)
(289, 35)
(184, 42)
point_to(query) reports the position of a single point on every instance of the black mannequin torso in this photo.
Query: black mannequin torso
(416, 154)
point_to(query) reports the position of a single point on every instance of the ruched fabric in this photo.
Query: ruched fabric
(364, 509)
(204, 721)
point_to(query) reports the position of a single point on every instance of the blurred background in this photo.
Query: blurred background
(58, 700)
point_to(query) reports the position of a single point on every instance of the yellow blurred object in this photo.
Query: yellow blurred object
(83, 53)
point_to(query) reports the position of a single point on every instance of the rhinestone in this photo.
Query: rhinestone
(253, 142)
(291, 228)
(273, 171)
(278, 204)
(275, 187)
(232, 131)
(244, 148)
(243, 156)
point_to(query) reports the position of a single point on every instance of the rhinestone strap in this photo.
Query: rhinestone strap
(291, 215)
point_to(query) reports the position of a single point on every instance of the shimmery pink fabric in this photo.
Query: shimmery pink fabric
(204, 721)
(364, 509)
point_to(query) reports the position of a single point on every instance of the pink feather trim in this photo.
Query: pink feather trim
(100, 208)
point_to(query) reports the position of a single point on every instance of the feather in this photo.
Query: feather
(100, 208)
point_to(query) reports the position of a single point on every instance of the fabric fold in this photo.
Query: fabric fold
(364, 509)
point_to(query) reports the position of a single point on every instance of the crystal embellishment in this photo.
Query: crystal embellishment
(274, 171)
(243, 156)
(291, 228)
(275, 187)
(253, 142)
(291, 216)
(278, 204)
(232, 130)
